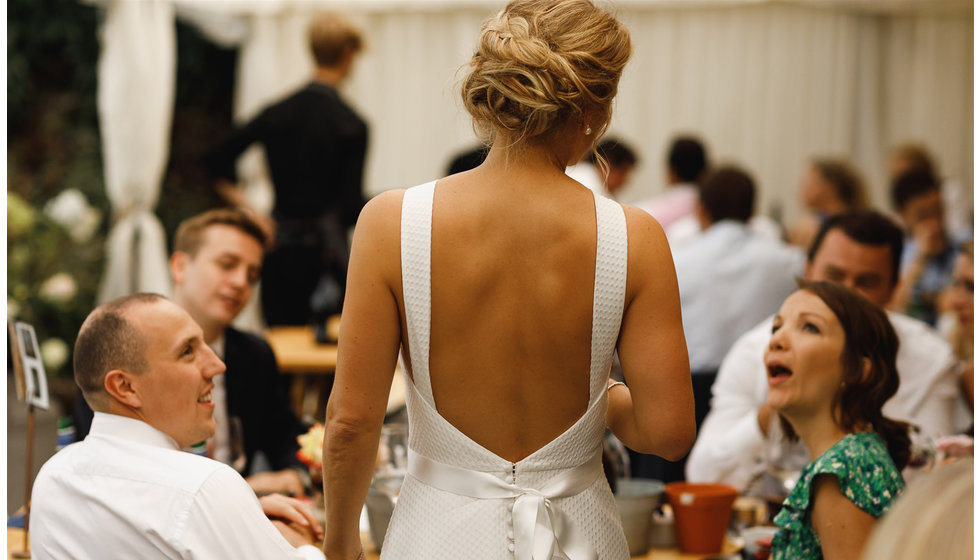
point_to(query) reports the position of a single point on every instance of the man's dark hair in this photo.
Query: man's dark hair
(727, 193)
(866, 227)
(912, 184)
(106, 341)
(687, 158)
(190, 232)
(615, 152)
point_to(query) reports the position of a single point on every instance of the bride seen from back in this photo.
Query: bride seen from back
(505, 336)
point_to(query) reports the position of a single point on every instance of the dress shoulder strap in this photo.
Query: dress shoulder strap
(416, 265)
(610, 289)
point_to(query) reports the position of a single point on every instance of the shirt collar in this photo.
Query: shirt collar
(130, 429)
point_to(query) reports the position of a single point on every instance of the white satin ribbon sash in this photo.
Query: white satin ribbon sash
(541, 530)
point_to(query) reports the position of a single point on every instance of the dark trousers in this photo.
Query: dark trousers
(658, 468)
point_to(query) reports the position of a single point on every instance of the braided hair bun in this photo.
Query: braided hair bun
(540, 62)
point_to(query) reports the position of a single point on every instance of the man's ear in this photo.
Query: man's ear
(178, 264)
(119, 385)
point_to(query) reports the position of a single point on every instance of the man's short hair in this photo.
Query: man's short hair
(912, 184)
(687, 158)
(330, 35)
(108, 340)
(845, 179)
(615, 152)
(866, 227)
(728, 193)
(190, 232)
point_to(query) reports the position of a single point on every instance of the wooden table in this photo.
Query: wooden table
(312, 366)
(308, 362)
(15, 541)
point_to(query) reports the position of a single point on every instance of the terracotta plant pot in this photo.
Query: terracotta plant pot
(701, 514)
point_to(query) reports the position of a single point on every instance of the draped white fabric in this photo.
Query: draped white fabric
(767, 84)
(135, 101)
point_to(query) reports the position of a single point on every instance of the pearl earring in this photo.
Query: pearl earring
(588, 130)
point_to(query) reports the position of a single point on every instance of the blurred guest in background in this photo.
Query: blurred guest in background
(831, 368)
(933, 518)
(608, 179)
(315, 146)
(929, 256)
(961, 304)
(915, 157)
(861, 251)
(687, 160)
(127, 491)
(216, 262)
(729, 278)
(829, 187)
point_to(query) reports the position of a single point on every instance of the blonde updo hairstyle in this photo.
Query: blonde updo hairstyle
(541, 62)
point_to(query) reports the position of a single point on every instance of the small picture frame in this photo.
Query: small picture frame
(35, 381)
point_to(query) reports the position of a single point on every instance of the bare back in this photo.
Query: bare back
(513, 270)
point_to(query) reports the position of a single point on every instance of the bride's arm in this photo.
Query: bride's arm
(370, 334)
(655, 414)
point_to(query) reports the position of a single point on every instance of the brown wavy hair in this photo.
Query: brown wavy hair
(869, 338)
(541, 62)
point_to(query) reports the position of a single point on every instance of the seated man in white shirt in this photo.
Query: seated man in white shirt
(860, 250)
(127, 491)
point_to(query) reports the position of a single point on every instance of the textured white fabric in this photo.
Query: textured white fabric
(730, 445)
(430, 523)
(126, 491)
(135, 100)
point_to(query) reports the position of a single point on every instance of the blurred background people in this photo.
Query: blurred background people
(831, 367)
(929, 255)
(829, 187)
(860, 250)
(912, 156)
(729, 279)
(315, 146)
(620, 161)
(687, 160)
(960, 331)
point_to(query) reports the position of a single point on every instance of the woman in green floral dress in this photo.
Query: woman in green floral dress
(831, 367)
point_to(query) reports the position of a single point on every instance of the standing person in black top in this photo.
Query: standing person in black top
(315, 146)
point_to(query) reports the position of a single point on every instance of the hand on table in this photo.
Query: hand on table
(294, 514)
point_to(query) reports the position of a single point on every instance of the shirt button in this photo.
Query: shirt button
(510, 547)
(510, 534)
(510, 506)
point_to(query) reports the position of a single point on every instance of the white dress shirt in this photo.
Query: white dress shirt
(729, 279)
(730, 446)
(126, 491)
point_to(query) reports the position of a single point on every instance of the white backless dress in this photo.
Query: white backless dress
(461, 501)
